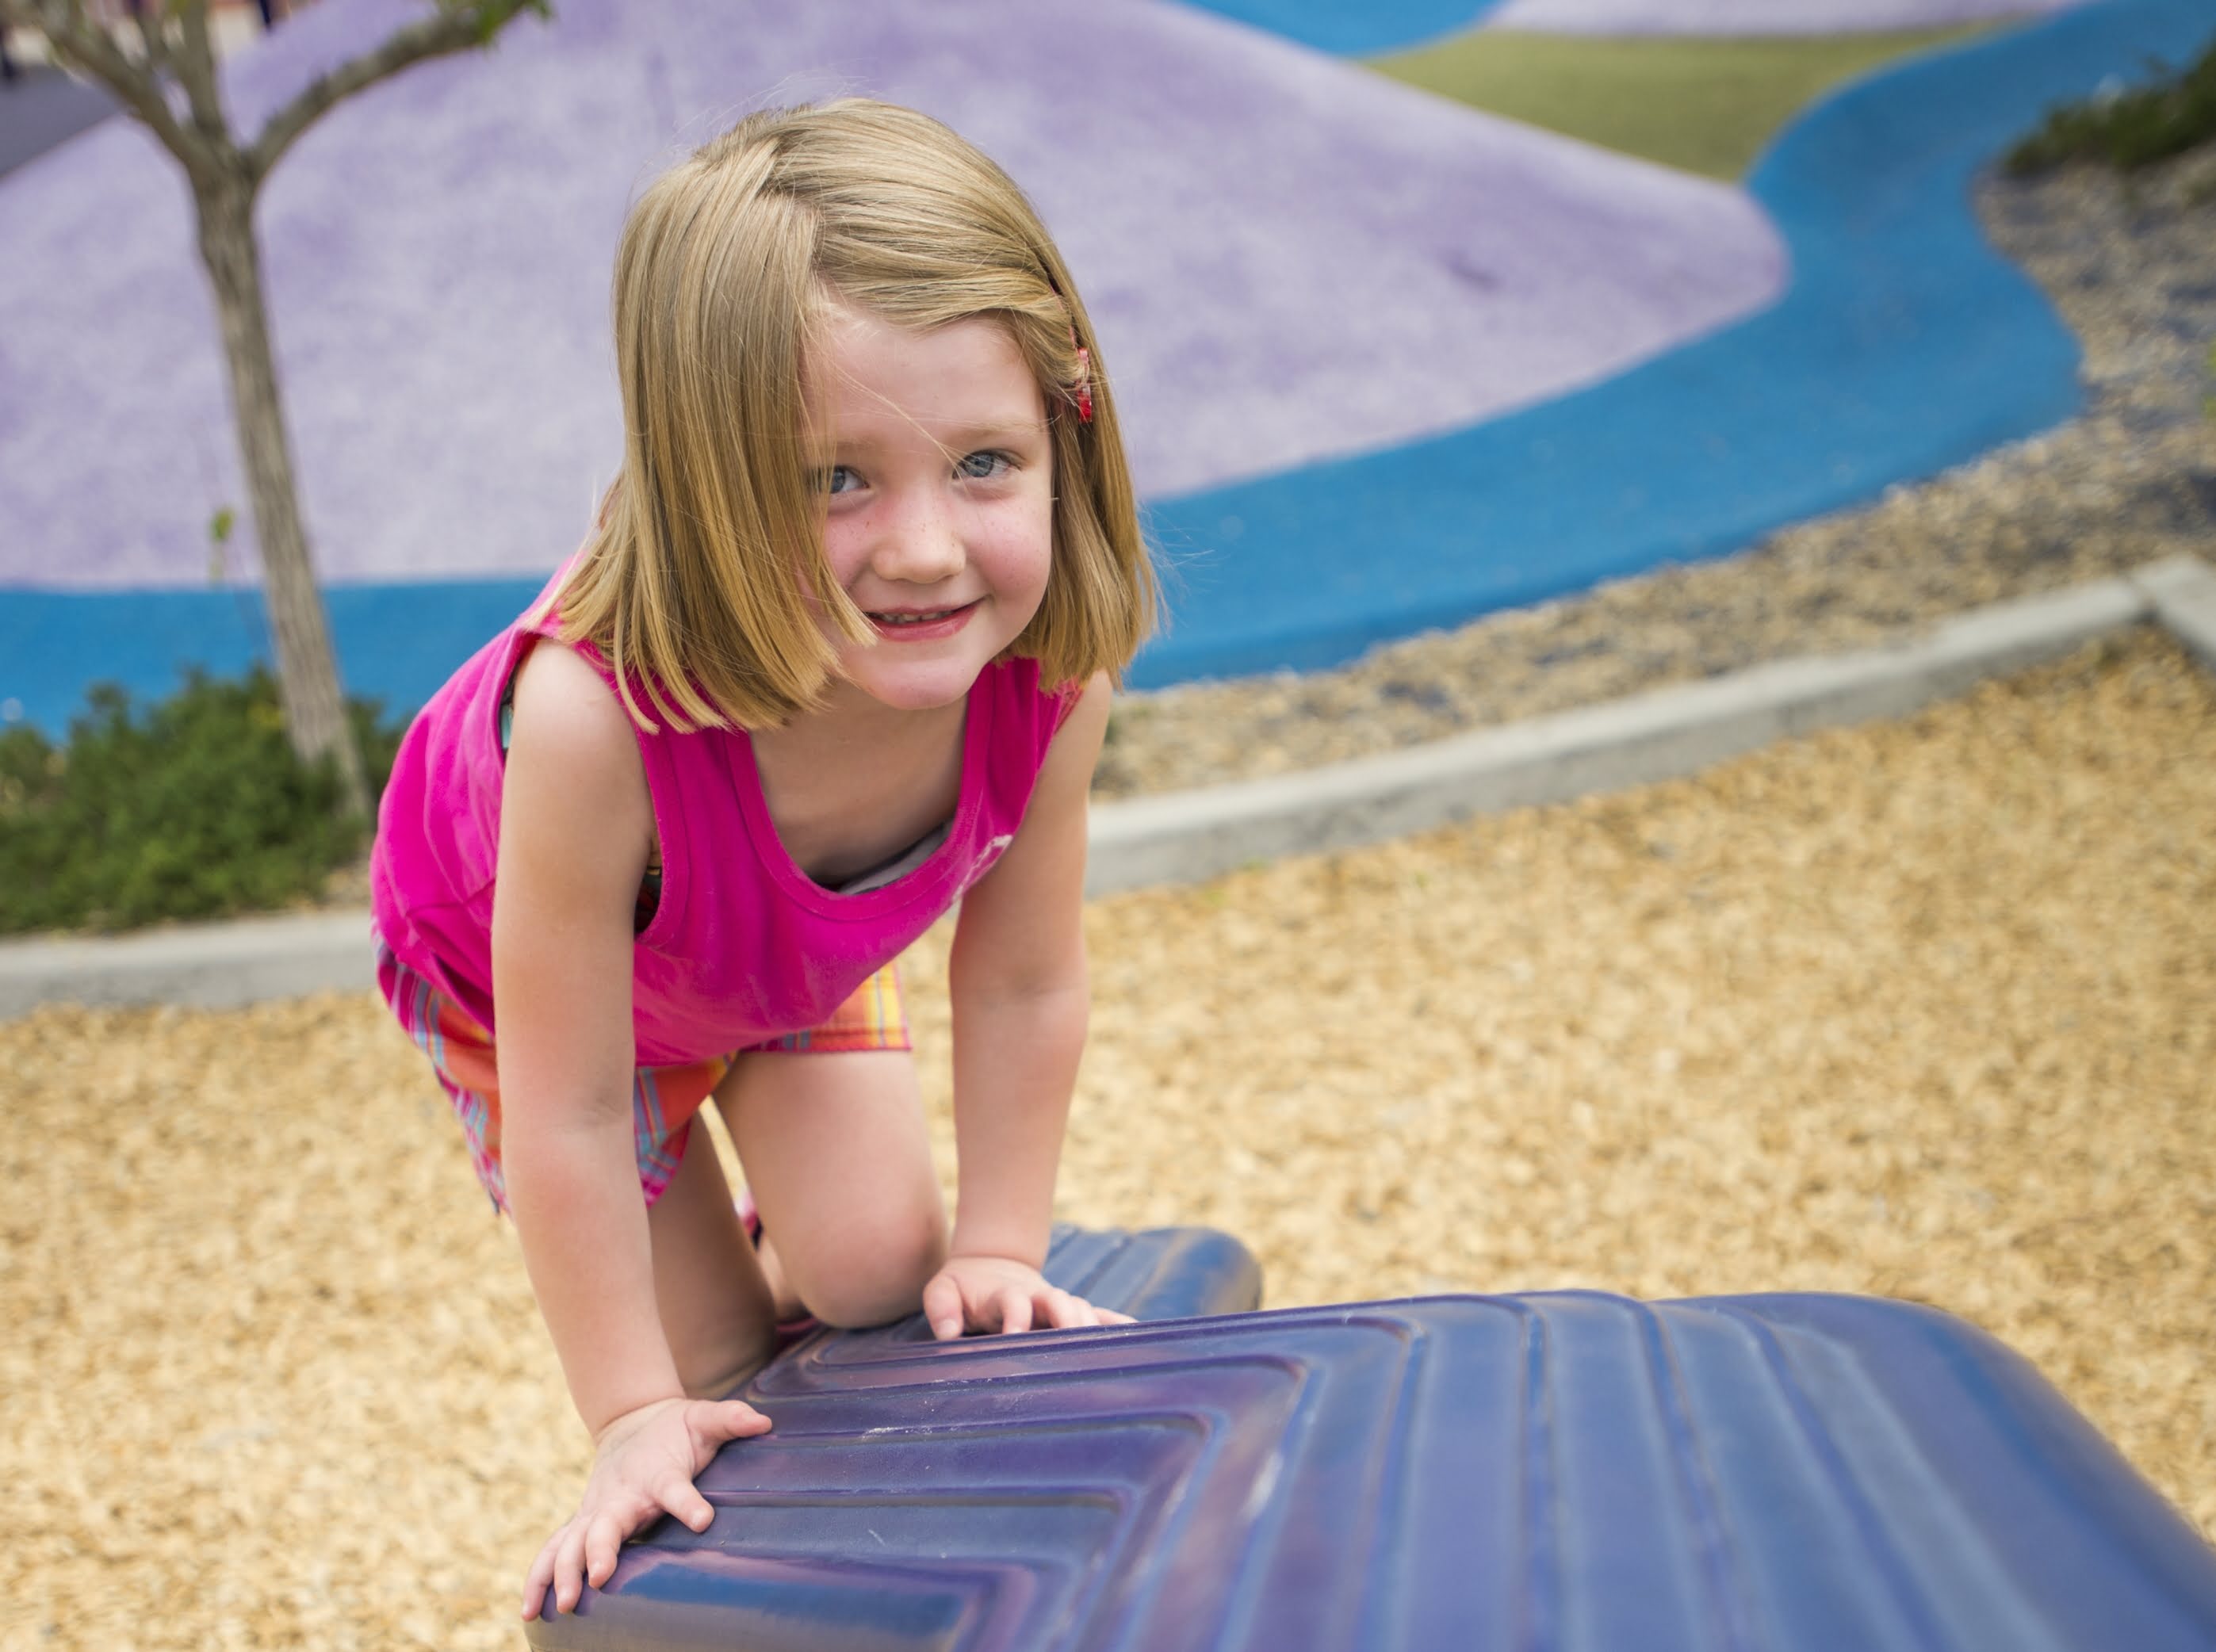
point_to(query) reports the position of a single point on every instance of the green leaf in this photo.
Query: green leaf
(2125, 128)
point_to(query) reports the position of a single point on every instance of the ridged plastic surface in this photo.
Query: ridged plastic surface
(1540, 1472)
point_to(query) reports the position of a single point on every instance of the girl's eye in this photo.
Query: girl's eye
(839, 479)
(979, 467)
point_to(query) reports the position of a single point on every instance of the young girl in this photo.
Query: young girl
(837, 654)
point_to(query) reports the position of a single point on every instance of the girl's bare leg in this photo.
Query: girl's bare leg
(716, 1306)
(836, 1153)
(789, 1304)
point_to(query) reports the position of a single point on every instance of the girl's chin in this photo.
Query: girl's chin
(912, 690)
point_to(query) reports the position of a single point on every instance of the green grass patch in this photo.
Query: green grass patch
(2127, 127)
(193, 807)
(1702, 104)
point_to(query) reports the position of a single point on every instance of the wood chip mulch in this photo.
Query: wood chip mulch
(1919, 1009)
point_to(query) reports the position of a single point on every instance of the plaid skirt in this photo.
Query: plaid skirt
(662, 1099)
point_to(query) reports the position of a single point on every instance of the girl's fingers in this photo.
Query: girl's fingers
(1075, 1310)
(569, 1567)
(682, 1498)
(586, 1549)
(736, 1420)
(541, 1575)
(603, 1539)
(942, 1306)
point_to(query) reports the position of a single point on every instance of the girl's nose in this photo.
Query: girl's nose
(919, 542)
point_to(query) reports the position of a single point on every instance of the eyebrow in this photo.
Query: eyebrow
(966, 436)
(986, 432)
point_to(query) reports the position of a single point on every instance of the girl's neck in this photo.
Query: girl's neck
(849, 720)
(854, 781)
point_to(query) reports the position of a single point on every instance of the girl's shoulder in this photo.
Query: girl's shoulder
(576, 784)
(571, 706)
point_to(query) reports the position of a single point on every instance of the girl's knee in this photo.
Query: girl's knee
(875, 1271)
(713, 1372)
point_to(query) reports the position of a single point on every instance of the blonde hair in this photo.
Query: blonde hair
(695, 582)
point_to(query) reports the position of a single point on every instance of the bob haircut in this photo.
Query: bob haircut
(695, 583)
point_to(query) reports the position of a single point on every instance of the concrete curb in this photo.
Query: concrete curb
(2183, 592)
(200, 965)
(1659, 736)
(1185, 837)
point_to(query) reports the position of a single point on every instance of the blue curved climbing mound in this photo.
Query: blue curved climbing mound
(1550, 1473)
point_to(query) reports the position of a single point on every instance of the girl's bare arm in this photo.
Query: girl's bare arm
(576, 823)
(1021, 998)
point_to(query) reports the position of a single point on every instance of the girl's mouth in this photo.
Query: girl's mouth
(921, 624)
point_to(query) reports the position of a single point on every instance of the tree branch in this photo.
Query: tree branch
(78, 42)
(458, 26)
(196, 68)
(154, 38)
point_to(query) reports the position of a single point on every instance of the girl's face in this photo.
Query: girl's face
(937, 469)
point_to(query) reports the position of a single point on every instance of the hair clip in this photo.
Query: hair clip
(1083, 393)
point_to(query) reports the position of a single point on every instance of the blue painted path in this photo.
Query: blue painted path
(1904, 346)
(1354, 31)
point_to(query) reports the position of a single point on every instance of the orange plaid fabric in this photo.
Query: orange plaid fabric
(663, 1099)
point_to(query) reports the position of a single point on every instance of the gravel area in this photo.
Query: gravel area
(2132, 267)
(1919, 1009)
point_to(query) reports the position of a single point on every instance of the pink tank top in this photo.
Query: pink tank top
(743, 946)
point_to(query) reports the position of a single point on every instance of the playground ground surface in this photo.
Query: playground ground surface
(1702, 104)
(1917, 1008)
(2129, 483)
(1818, 400)
(2131, 480)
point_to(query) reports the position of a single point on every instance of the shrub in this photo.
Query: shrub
(2130, 128)
(194, 807)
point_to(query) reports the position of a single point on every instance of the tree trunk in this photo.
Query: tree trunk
(307, 671)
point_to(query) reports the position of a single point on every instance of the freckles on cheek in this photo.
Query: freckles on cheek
(841, 564)
(1027, 563)
(1041, 534)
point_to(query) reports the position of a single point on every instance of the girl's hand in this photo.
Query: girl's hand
(992, 1294)
(642, 1468)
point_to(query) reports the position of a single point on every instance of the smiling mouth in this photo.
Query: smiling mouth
(895, 619)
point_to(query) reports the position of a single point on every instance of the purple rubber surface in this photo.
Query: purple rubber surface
(1571, 1471)
(1754, 17)
(42, 107)
(1288, 257)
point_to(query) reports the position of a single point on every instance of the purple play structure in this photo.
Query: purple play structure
(1564, 1473)
(1288, 257)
